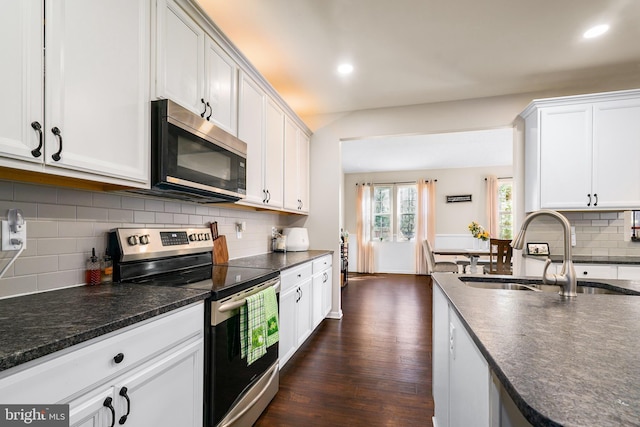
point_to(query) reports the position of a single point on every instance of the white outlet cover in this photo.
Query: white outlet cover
(7, 235)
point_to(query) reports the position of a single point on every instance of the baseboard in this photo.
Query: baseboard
(335, 315)
(434, 421)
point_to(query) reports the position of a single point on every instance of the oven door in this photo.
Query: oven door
(235, 388)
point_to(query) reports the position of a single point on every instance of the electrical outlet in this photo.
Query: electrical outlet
(14, 241)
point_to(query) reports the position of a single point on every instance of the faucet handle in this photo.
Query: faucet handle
(548, 279)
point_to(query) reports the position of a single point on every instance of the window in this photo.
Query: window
(382, 208)
(505, 212)
(404, 197)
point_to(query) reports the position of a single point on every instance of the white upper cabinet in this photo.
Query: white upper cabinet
(179, 57)
(296, 169)
(580, 152)
(251, 112)
(21, 84)
(192, 69)
(274, 155)
(96, 89)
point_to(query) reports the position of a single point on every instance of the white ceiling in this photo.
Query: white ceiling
(436, 151)
(409, 52)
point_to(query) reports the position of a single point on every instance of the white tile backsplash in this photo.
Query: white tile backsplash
(597, 234)
(64, 224)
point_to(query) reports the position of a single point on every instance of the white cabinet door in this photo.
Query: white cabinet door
(21, 81)
(440, 338)
(221, 80)
(469, 379)
(91, 410)
(317, 305)
(274, 155)
(287, 344)
(327, 287)
(251, 107)
(616, 150)
(303, 171)
(167, 391)
(303, 312)
(97, 87)
(296, 168)
(565, 150)
(179, 57)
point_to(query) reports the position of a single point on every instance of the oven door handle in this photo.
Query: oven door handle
(232, 305)
(274, 374)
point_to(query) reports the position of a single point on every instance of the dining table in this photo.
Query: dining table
(473, 255)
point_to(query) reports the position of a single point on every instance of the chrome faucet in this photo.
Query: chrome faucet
(567, 276)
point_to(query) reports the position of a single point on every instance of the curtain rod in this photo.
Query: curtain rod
(502, 177)
(392, 183)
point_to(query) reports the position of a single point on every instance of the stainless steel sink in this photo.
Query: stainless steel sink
(531, 286)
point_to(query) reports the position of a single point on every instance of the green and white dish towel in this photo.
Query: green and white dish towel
(271, 313)
(254, 337)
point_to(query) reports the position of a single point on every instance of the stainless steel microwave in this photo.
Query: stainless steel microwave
(192, 159)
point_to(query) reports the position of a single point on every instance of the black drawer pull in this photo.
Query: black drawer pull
(36, 151)
(107, 403)
(123, 393)
(118, 358)
(56, 156)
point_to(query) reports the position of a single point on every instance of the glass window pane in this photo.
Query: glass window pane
(382, 220)
(505, 209)
(407, 209)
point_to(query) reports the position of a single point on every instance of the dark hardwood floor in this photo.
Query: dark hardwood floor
(372, 368)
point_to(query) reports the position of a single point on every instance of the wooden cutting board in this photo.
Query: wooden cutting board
(220, 253)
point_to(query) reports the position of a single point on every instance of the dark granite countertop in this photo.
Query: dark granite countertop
(569, 362)
(589, 259)
(278, 260)
(35, 325)
(32, 326)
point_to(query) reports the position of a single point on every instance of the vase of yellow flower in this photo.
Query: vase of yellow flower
(480, 234)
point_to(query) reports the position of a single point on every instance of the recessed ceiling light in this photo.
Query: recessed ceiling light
(345, 68)
(596, 31)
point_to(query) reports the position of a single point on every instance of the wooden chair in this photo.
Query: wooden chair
(500, 252)
(437, 267)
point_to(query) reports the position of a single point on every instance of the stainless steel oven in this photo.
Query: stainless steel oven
(235, 393)
(192, 159)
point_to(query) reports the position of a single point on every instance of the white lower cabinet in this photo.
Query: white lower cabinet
(628, 272)
(295, 310)
(151, 374)
(305, 300)
(321, 289)
(534, 268)
(465, 391)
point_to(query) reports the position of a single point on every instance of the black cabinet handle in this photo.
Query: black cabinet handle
(268, 196)
(325, 277)
(123, 393)
(107, 403)
(299, 292)
(210, 111)
(589, 196)
(205, 108)
(36, 151)
(118, 357)
(56, 132)
(264, 196)
(596, 196)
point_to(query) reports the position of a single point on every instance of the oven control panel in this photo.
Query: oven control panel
(148, 243)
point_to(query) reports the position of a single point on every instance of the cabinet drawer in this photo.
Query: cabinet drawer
(322, 263)
(589, 271)
(70, 371)
(295, 275)
(628, 272)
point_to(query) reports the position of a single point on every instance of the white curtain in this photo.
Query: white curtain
(492, 206)
(364, 262)
(426, 224)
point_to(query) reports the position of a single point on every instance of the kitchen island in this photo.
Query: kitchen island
(569, 362)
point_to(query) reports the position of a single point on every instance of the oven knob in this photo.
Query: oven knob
(133, 240)
(200, 236)
(192, 237)
(206, 236)
(144, 240)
